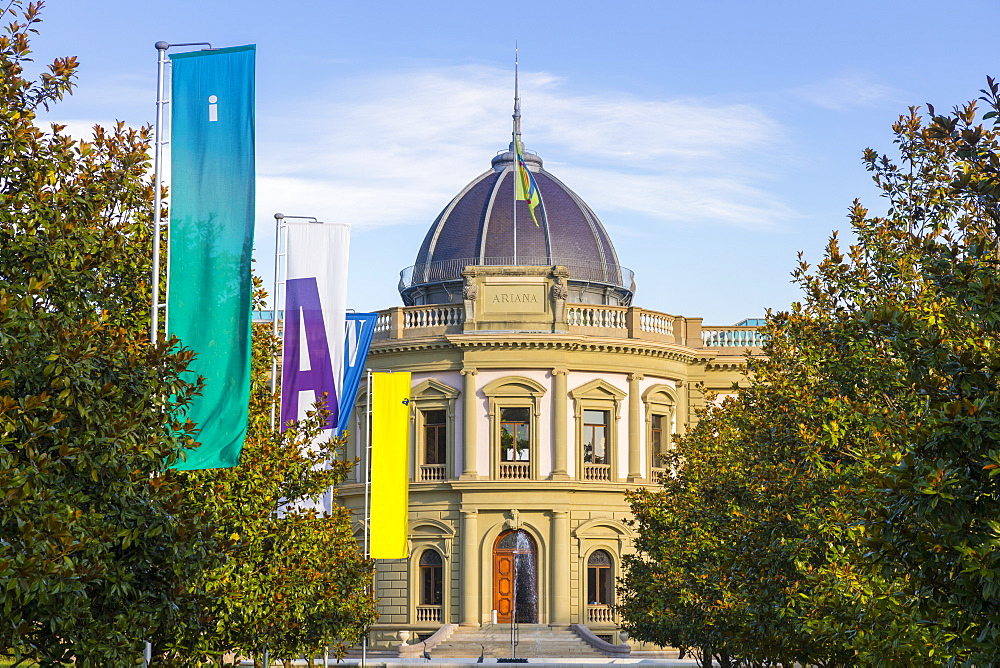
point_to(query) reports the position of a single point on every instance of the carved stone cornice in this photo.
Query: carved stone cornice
(577, 344)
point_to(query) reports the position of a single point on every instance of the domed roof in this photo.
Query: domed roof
(477, 228)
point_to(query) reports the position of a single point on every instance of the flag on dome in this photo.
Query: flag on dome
(526, 188)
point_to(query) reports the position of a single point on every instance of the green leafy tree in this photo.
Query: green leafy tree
(93, 540)
(842, 507)
(294, 580)
(100, 548)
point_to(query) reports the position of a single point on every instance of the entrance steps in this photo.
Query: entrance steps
(534, 640)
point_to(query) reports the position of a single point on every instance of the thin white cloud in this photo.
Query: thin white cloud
(395, 148)
(680, 198)
(846, 91)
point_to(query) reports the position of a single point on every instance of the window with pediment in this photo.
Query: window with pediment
(660, 402)
(514, 414)
(433, 404)
(597, 411)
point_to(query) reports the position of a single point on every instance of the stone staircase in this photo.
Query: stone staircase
(534, 640)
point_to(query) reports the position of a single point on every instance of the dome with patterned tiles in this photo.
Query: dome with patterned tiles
(477, 228)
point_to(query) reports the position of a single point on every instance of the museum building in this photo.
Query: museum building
(540, 395)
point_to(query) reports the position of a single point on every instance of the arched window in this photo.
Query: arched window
(600, 579)
(431, 578)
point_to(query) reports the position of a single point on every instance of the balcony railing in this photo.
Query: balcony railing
(515, 471)
(600, 614)
(597, 472)
(733, 337)
(579, 270)
(433, 472)
(433, 316)
(624, 322)
(428, 613)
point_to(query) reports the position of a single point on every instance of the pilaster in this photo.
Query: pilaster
(470, 568)
(634, 428)
(560, 608)
(469, 471)
(560, 443)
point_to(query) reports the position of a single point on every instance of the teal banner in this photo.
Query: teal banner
(211, 239)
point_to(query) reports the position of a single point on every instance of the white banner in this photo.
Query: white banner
(312, 360)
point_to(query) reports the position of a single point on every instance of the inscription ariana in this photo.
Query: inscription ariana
(515, 298)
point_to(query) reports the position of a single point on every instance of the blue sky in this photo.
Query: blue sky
(714, 140)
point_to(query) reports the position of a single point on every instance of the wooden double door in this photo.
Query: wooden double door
(515, 578)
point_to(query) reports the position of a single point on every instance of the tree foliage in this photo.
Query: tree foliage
(841, 508)
(101, 547)
(294, 580)
(92, 543)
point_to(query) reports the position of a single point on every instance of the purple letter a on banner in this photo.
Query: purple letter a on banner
(303, 311)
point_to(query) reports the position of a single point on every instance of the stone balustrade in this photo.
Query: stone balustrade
(597, 472)
(626, 322)
(601, 614)
(428, 613)
(732, 337)
(515, 471)
(433, 472)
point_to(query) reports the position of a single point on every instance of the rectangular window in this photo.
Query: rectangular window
(435, 437)
(595, 437)
(656, 439)
(515, 435)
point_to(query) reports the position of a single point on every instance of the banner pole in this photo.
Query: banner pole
(515, 149)
(368, 491)
(161, 62)
(279, 220)
(158, 143)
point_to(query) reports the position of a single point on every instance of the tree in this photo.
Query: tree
(93, 540)
(842, 507)
(102, 547)
(294, 580)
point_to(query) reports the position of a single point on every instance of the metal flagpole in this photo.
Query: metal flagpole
(368, 491)
(516, 171)
(278, 224)
(158, 143)
(161, 62)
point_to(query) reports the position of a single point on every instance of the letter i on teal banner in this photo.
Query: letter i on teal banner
(211, 239)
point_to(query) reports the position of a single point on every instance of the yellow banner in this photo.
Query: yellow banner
(390, 464)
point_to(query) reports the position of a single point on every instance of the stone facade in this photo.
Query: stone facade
(513, 362)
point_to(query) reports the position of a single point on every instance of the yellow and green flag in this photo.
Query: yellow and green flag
(390, 465)
(526, 188)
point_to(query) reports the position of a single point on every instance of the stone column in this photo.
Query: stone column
(560, 444)
(560, 569)
(469, 417)
(469, 565)
(634, 428)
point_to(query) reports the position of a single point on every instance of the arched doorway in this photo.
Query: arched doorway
(515, 578)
